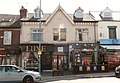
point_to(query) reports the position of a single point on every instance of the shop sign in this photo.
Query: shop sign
(35, 48)
(80, 68)
(60, 49)
(109, 41)
(39, 52)
(2, 52)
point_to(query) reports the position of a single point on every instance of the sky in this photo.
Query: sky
(48, 6)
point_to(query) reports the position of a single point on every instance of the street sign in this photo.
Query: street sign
(39, 52)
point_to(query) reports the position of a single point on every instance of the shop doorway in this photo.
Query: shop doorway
(46, 62)
(59, 61)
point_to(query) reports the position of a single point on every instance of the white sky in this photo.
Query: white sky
(48, 6)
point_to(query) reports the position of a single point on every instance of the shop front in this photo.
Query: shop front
(30, 57)
(85, 58)
(3, 59)
(60, 57)
(59, 61)
(9, 56)
(53, 57)
(113, 52)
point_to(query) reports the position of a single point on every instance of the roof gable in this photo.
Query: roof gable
(55, 11)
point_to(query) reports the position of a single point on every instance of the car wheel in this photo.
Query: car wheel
(117, 75)
(28, 79)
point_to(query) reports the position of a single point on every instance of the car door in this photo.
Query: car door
(17, 74)
(2, 73)
(13, 74)
(8, 73)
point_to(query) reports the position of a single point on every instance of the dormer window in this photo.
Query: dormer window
(5, 20)
(78, 15)
(106, 14)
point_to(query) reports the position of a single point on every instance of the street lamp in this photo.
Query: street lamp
(39, 51)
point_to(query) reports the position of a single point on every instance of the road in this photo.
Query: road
(79, 80)
(9, 82)
(89, 80)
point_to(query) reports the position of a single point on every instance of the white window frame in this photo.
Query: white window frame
(37, 32)
(7, 38)
(107, 14)
(58, 31)
(84, 32)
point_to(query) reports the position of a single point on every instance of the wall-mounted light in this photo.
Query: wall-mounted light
(77, 44)
(100, 34)
(1, 37)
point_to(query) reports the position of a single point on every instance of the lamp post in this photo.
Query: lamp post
(39, 51)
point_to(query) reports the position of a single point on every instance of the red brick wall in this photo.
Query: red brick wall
(15, 37)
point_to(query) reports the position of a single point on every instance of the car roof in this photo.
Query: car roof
(9, 65)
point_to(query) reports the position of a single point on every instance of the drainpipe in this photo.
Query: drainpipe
(69, 63)
(95, 48)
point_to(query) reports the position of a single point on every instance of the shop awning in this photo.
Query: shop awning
(111, 46)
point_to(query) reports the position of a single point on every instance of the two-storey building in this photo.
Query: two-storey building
(9, 39)
(108, 34)
(63, 38)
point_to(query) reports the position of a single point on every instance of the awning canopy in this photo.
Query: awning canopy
(111, 46)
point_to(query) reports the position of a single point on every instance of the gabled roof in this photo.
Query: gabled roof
(56, 10)
(48, 16)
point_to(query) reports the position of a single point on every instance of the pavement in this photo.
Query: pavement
(47, 76)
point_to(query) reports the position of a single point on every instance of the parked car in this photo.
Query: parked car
(14, 73)
(117, 71)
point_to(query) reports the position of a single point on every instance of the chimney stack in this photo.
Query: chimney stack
(23, 12)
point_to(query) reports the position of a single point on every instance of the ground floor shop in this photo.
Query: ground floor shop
(86, 58)
(113, 58)
(112, 55)
(51, 58)
(113, 51)
(10, 55)
(59, 56)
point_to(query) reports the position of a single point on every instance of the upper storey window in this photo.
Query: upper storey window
(37, 35)
(59, 34)
(107, 14)
(7, 38)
